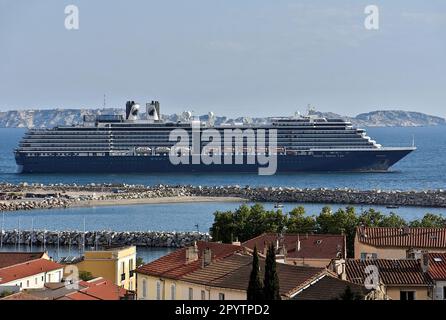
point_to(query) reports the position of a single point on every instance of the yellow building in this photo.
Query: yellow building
(116, 264)
(213, 271)
(398, 243)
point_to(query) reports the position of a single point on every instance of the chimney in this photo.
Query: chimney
(425, 262)
(406, 230)
(338, 266)
(362, 232)
(207, 257)
(192, 253)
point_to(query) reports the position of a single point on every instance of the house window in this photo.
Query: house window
(158, 290)
(191, 293)
(221, 296)
(407, 295)
(203, 295)
(35, 281)
(27, 283)
(144, 288)
(49, 277)
(173, 292)
(363, 255)
(131, 264)
(444, 293)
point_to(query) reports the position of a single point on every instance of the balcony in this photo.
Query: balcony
(132, 273)
(122, 276)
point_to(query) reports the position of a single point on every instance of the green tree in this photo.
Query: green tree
(139, 261)
(299, 222)
(430, 220)
(85, 275)
(255, 286)
(392, 221)
(223, 227)
(271, 279)
(6, 293)
(348, 294)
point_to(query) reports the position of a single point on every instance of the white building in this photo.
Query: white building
(20, 271)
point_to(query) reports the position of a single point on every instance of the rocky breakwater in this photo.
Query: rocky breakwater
(98, 192)
(30, 205)
(431, 198)
(103, 238)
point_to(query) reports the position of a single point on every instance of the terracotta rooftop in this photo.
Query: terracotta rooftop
(316, 246)
(8, 259)
(233, 272)
(96, 289)
(403, 237)
(437, 266)
(27, 269)
(329, 288)
(174, 265)
(22, 296)
(391, 272)
(102, 289)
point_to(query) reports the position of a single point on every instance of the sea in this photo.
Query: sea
(422, 170)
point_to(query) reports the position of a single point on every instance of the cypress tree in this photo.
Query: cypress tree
(255, 286)
(271, 280)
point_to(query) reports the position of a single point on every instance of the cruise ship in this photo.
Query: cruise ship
(143, 144)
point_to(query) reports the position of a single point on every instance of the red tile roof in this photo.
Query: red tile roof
(78, 296)
(22, 296)
(27, 269)
(233, 272)
(329, 288)
(437, 266)
(174, 265)
(391, 272)
(101, 289)
(403, 237)
(8, 259)
(312, 246)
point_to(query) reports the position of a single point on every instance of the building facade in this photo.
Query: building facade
(398, 243)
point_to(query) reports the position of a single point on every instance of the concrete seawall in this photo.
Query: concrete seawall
(17, 197)
(103, 238)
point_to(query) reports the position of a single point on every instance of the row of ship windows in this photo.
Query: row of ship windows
(167, 131)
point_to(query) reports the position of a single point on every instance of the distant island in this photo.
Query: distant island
(55, 117)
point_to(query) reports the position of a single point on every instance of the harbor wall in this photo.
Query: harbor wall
(60, 195)
(102, 238)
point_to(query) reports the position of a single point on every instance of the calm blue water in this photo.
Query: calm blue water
(423, 169)
(158, 217)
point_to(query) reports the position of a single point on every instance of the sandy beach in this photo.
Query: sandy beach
(161, 200)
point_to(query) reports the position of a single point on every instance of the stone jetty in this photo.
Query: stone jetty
(102, 238)
(22, 196)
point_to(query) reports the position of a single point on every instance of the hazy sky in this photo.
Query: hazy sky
(233, 57)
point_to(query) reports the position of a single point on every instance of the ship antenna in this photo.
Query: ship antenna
(413, 140)
(104, 100)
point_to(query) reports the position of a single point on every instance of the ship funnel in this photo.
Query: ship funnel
(131, 110)
(153, 111)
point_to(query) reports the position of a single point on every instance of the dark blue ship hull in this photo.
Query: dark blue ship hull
(377, 160)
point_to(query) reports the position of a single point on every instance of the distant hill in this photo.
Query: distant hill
(54, 117)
